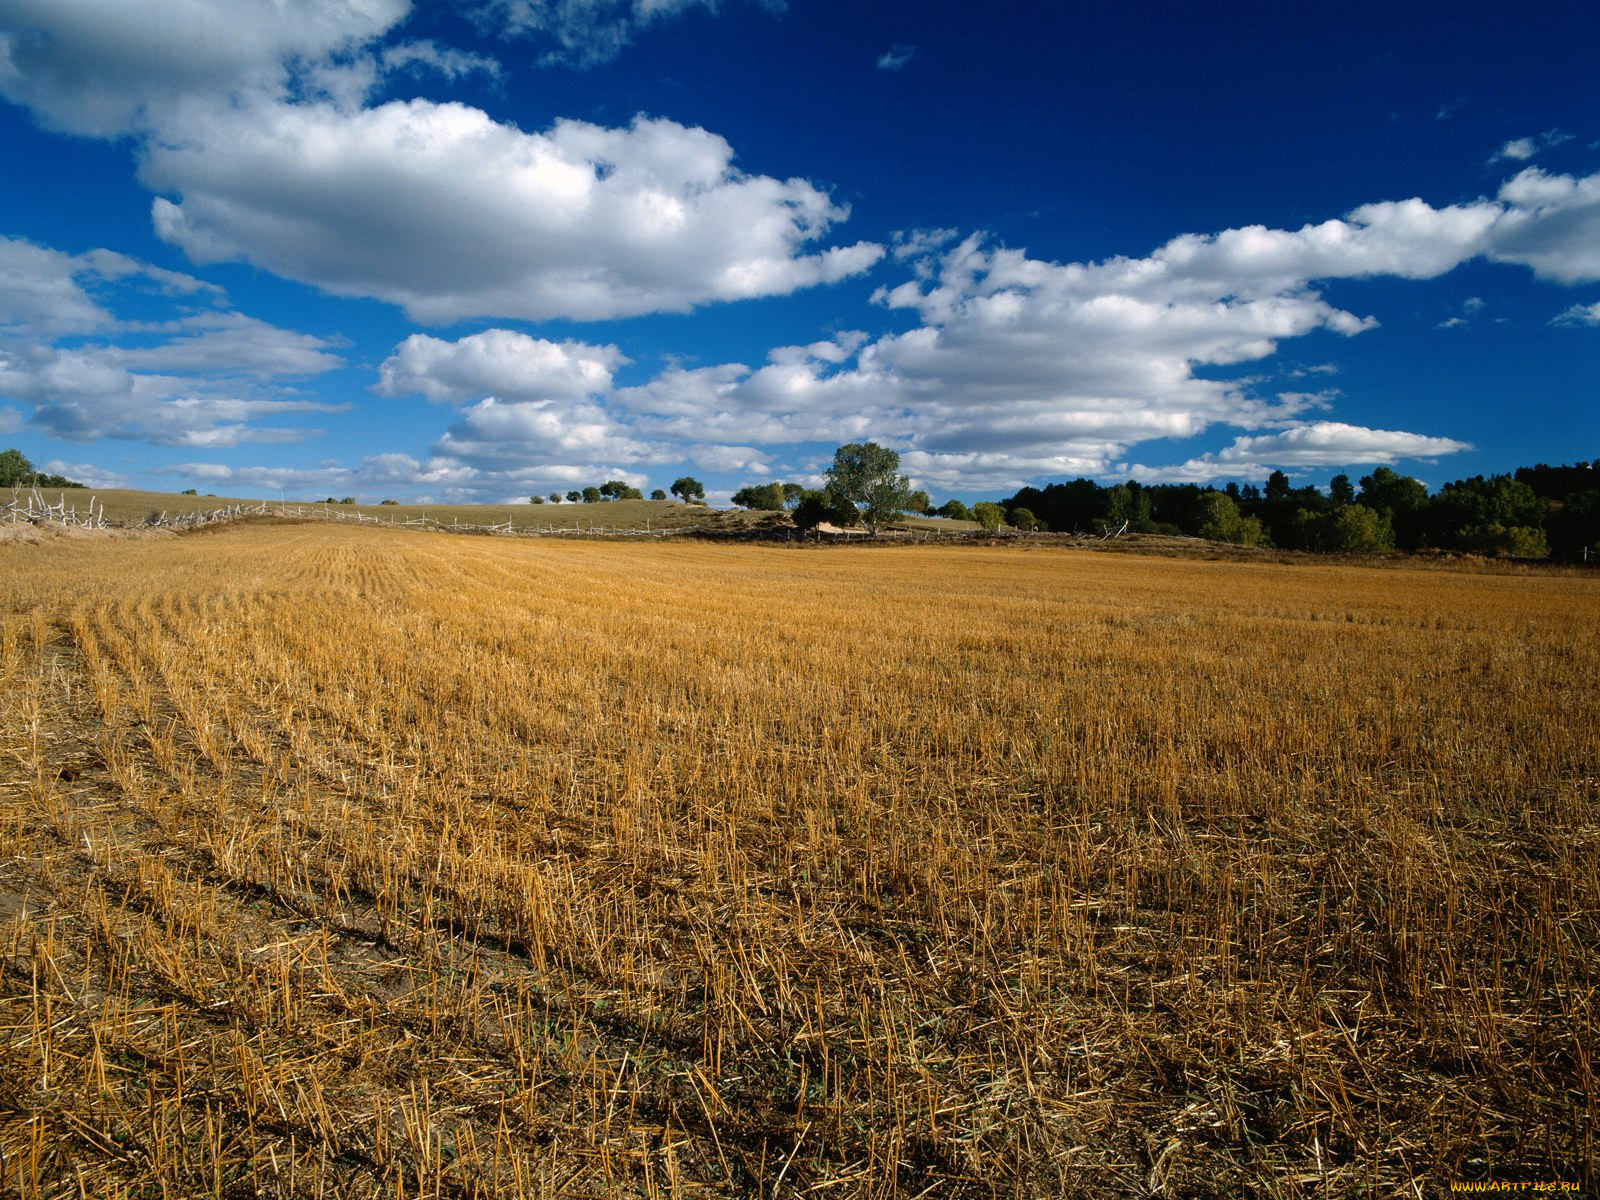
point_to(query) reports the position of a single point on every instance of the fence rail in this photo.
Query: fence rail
(32, 508)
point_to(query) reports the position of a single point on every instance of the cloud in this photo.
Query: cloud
(1021, 368)
(540, 435)
(1579, 315)
(85, 473)
(582, 221)
(206, 375)
(1550, 223)
(1316, 444)
(896, 57)
(1470, 307)
(1523, 148)
(252, 124)
(102, 67)
(583, 33)
(88, 393)
(421, 57)
(45, 293)
(1517, 150)
(497, 362)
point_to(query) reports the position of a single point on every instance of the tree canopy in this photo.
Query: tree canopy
(867, 477)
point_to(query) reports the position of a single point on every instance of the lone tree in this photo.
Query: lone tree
(867, 477)
(689, 489)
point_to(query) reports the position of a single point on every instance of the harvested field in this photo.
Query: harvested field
(351, 862)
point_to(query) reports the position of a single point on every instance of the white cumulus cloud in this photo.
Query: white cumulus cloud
(105, 67)
(497, 362)
(253, 126)
(449, 214)
(208, 375)
(1550, 223)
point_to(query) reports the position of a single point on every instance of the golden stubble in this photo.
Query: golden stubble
(344, 862)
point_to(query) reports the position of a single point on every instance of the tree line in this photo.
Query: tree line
(687, 488)
(1533, 512)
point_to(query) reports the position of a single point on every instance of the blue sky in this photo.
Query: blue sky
(474, 251)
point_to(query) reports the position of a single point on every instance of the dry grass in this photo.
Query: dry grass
(340, 862)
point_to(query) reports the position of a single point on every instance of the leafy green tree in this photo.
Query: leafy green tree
(764, 496)
(617, 489)
(574, 496)
(1402, 499)
(1356, 529)
(15, 469)
(919, 502)
(535, 499)
(1495, 515)
(953, 510)
(688, 489)
(555, 497)
(1389, 491)
(815, 508)
(1341, 491)
(988, 514)
(1466, 507)
(657, 494)
(1223, 522)
(592, 495)
(1127, 504)
(867, 476)
(793, 493)
(1024, 520)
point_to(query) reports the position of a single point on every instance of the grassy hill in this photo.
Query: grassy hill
(129, 507)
